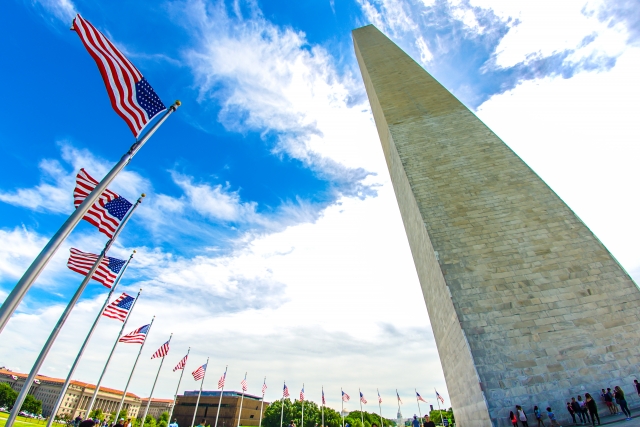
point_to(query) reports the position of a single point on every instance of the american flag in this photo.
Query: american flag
(362, 399)
(379, 398)
(323, 401)
(107, 212)
(221, 381)
(439, 397)
(285, 391)
(162, 351)
(243, 383)
(119, 308)
(264, 387)
(420, 397)
(399, 400)
(198, 374)
(181, 363)
(345, 397)
(81, 262)
(137, 336)
(302, 394)
(131, 96)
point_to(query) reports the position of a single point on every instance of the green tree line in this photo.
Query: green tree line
(8, 398)
(292, 411)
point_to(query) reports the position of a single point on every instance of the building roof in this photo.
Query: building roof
(8, 373)
(154, 400)
(226, 393)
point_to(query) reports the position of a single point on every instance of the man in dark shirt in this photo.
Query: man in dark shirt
(120, 423)
(427, 422)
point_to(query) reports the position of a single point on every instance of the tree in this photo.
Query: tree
(97, 413)
(8, 395)
(149, 421)
(163, 420)
(437, 414)
(313, 415)
(355, 419)
(123, 414)
(32, 405)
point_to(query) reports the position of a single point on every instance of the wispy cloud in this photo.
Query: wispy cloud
(269, 79)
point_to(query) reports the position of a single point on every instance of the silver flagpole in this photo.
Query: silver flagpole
(221, 393)
(241, 400)
(342, 410)
(124, 393)
(361, 413)
(195, 411)
(380, 407)
(175, 396)
(84, 344)
(282, 404)
(19, 291)
(418, 401)
(262, 401)
(146, 410)
(63, 318)
(322, 410)
(106, 365)
(438, 402)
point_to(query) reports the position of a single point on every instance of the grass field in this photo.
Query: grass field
(23, 422)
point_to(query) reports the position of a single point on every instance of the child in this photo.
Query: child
(514, 420)
(538, 416)
(552, 418)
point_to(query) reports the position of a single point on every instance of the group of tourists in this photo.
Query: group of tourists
(582, 410)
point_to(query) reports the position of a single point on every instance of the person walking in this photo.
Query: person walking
(616, 410)
(572, 412)
(608, 400)
(552, 418)
(583, 410)
(618, 394)
(592, 407)
(636, 384)
(538, 415)
(576, 408)
(514, 420)
(522, 416)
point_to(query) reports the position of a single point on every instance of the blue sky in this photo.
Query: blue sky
(270, 239)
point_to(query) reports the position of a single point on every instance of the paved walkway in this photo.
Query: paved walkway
(619, 419)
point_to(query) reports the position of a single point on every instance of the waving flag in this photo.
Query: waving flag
(323, 401)
(439, 397)
(302, 394)
(198, 374)
(264, 386)
(162, 351)
(81, 262)
(399, 400)
(119, 308)
(420, 397)
(285, 391)
(181, 363)
(345, 397)
(379, 398)
(362, 399)
(107, 212)
(137, 336)
(221, 381)
(131, 96)
(243, 383)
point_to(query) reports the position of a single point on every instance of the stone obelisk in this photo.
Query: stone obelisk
(526, 305)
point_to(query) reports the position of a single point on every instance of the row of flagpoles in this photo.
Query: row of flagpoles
(135, 101)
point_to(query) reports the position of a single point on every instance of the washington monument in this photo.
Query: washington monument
(526, 305)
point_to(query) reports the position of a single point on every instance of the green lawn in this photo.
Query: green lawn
(23, 422)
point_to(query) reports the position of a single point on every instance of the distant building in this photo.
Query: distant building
(76, 399)
(208, 408)
(157, 407)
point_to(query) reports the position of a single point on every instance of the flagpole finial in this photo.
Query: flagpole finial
(143, 195)
(178, 103)
(134, 251)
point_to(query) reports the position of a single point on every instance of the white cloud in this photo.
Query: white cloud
(327, 304)
(63, 10)
(19, 247)
(581, 136)
(270, 80)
